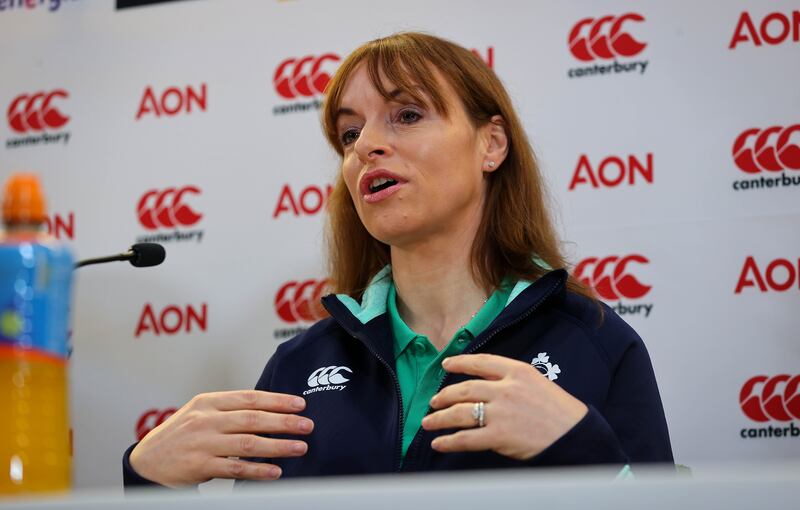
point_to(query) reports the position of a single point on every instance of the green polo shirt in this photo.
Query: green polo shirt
(419, 364)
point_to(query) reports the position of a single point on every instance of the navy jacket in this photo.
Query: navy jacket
(345, 370)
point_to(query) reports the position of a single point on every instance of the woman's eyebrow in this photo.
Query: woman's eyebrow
(342, 111)
(394, 94)
(398, 92)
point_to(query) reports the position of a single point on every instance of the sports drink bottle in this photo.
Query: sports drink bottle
(35, 281)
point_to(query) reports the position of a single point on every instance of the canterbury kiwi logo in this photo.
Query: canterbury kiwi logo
(328, 375)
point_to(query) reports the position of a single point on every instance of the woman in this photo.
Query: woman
(452, 344)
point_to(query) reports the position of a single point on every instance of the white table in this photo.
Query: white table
(762, 486)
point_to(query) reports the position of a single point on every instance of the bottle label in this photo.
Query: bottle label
(35, 284)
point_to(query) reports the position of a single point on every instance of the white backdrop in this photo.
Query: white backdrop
(229, 173)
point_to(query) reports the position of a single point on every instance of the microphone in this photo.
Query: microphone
(139, 255)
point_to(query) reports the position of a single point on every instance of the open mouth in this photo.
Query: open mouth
(381, 183)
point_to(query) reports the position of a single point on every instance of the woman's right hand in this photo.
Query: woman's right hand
(197, 442)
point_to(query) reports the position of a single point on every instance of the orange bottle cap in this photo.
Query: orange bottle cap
(23, 200)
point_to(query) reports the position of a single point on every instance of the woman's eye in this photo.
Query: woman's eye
(349, 136)
(409, 116)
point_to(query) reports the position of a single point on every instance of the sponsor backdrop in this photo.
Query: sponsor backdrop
(669, 133)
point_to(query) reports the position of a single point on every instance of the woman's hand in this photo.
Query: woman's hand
(524, 411)
(195, 444)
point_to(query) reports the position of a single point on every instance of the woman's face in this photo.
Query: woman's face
(413, 173)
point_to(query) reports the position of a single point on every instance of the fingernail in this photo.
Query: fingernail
(306, 425)
(298, 447)
(435, 443)
(274, 472)
(298, 403)
(445, 362)
(433, 401)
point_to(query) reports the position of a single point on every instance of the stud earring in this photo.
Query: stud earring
(490, 164)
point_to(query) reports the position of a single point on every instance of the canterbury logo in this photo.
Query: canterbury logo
(328, 375)
(166, 208)
(768, 149)
(604, 38)
(610, 278)
(762, 400)
(303, 77)
(151, 419)
(300, 301)
(35, 112)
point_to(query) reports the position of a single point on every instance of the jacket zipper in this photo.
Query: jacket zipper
(400, 418)
(474, 348)
(398, 394)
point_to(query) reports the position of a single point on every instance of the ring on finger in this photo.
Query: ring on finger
(479, 413)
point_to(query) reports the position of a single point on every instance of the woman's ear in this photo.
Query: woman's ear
(496, 143)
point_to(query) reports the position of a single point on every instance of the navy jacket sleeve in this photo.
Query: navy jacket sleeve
(131, 478)
(591, 441)
(634, 410)
(630, 426)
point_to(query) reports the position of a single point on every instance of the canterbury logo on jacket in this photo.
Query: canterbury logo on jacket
(348, 362)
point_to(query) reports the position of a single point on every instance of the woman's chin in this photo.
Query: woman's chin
(396, 233)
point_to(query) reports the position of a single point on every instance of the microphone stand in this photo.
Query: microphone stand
(100, 260)
(139, 255)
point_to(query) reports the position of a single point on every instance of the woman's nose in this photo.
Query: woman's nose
(372, 142)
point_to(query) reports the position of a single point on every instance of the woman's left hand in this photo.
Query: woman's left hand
(524, 411)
